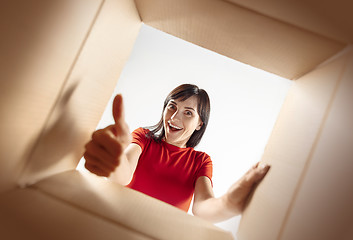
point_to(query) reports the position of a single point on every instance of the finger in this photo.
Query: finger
(102, 155)
(92, 166)
(122, 131)
(118, 110)
(98, 165)
(260, 171)
(255, 175)
(108, 141)
(253, 167)
(264, 167)
(96, 170)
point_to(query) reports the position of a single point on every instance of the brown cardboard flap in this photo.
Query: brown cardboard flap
(289, 151)
(128, 207)
(32, 215)
(39, 43)
(332, 19)
(84, 91)
(242, 34)
(322, 208)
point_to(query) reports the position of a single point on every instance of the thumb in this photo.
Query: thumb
(118, 110)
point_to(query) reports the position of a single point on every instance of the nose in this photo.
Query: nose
(175, 116)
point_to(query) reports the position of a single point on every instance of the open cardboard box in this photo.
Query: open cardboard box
(58, 55)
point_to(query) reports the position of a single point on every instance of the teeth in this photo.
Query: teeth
(173, 126)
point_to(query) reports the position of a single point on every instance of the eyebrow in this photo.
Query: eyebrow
(190, 108)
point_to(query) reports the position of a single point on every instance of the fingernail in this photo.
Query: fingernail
(263, 165)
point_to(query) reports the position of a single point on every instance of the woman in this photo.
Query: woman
(161, 161)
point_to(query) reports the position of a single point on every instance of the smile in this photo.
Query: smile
(173, 126)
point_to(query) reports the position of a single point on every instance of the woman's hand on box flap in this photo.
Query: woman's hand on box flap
(230, 204)
(239, 193)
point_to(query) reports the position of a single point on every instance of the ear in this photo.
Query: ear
(199, 126)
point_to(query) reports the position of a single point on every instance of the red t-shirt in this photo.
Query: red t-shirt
(167, 172)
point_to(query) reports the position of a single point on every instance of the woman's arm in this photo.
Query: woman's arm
(230, 204)
(124, 172)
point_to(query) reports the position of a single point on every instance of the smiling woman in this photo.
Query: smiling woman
(181, 122)
(167, 167)
(186, 109)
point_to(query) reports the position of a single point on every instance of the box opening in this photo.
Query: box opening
(245, 101)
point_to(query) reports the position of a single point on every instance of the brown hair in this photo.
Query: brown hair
(182, 93)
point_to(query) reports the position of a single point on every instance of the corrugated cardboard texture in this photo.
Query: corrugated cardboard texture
(323, 207)
(332, 19)
(86, 92)
(60, 61)
(55, 102)
(75, 196)
(290, 151)
(39, 43)
(32, 215)
(242, 34)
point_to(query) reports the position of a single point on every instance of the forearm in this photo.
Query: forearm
(233, 202)
(127, 164)
(216, 209)
(123, 172)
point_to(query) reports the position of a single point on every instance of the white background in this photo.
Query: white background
(245, 101)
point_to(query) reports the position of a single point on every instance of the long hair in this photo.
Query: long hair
(182, 93)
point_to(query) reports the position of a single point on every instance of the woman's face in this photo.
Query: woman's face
(180, 120)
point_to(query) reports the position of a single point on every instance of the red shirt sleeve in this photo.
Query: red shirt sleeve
(139, 137)
(206, 168)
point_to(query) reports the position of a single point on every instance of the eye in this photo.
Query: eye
(188, 113)
(171, 106)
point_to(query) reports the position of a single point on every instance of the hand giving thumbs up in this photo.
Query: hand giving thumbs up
(106, 148)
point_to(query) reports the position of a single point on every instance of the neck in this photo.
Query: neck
(180, 145)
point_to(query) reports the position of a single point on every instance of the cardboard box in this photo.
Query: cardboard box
(58, 55)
